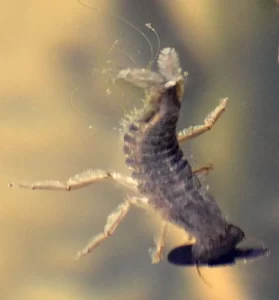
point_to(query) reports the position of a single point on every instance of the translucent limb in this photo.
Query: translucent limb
(113, 221)
(157, 252)
(78, 181)
(209, 121)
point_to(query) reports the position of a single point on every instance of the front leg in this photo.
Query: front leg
(209, 121)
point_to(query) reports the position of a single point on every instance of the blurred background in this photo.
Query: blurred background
(59, 116)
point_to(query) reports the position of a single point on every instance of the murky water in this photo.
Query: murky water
(48, 131)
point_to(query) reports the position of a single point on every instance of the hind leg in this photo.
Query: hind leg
(156, 253)
(113, 221)
(205, 169)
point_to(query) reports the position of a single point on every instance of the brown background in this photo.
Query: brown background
(56, 119)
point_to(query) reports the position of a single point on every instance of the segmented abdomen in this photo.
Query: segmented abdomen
(163, 174)
(153, 154)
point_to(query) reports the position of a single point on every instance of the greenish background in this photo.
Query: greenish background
(57, 119)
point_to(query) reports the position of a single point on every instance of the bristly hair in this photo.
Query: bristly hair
(168, 64)
(169, 72)
(128, 119)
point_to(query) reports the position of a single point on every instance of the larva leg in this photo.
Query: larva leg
(205, 169)
(77, 181)
(210, 120)
(157, 252)
(113, 221)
